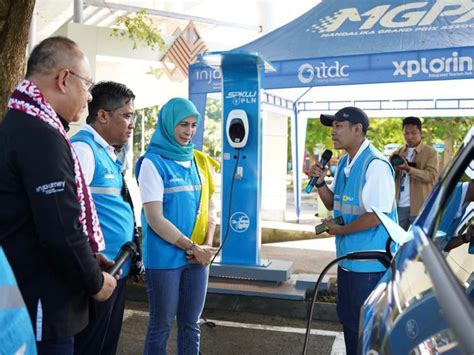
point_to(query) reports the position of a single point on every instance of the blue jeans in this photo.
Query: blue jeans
(176, 293)
(353, 288)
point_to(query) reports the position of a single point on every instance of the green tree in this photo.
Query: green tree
(212, 142)
(214, 109)
(383, 131)
(139, 28)
(144, 127)
(450, 131)
(318, 138)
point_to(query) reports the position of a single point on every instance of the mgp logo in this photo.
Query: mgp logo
(387, 16)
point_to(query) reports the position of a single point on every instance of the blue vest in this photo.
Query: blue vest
(181, 196)
(450, 221)
(16, 331)
(348, 204)
(115, 214)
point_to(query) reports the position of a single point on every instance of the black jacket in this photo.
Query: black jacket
(39, 226)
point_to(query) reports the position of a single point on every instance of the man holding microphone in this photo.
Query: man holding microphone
(364, 180)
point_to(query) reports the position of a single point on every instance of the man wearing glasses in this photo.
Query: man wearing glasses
(88, 82)
(109, 124)
(48, 223)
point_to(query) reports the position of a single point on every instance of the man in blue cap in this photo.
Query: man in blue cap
(364, 180)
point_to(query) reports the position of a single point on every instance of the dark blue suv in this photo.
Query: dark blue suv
(424, 304)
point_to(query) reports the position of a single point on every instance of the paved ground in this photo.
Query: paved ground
(238, 333)
(308, 256)
(244, 324)
(280, 326)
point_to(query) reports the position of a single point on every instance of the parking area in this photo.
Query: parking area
(239, 333)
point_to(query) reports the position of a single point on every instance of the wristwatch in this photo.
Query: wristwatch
(190, 251)
(321, 184)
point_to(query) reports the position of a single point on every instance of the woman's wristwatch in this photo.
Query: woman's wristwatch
(190, 251)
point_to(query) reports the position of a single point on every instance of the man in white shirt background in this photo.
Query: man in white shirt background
(416, 171)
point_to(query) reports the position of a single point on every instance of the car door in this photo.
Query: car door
(424, 302)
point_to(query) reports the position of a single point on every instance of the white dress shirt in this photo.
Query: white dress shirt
(86, 156)
(379, 188)
(404, 200)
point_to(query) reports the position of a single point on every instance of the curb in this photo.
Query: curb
(276, 235)
(271, 306)
(260, 305)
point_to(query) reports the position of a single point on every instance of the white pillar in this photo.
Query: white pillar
(298, 139)
(78, 11)
(142, 143)
(274, 165)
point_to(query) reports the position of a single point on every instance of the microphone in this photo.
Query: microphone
(126, 251)
(325, 158)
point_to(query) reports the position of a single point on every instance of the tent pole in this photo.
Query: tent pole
(297, 181)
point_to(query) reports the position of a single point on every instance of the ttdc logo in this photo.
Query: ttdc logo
(308, 73)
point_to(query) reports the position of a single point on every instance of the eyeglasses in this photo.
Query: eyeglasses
(89, 83)
(130, 117)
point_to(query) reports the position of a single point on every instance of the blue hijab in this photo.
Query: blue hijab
(163, 141)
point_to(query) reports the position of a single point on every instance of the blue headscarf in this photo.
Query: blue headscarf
(163, 141)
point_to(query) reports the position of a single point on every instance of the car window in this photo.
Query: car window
(454, 231)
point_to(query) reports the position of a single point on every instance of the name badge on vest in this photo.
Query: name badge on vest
(109, 175)
(175, 179)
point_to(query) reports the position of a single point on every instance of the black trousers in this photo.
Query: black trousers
(61, 346)
(102, 334)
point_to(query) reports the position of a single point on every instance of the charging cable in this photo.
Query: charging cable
(229, 208)
(381, 256)
(224, 238)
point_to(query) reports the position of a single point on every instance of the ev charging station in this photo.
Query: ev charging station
(241, 170)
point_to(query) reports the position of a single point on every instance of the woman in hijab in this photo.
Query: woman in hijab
(178, 223)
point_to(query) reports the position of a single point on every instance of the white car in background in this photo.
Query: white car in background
(389, 148)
